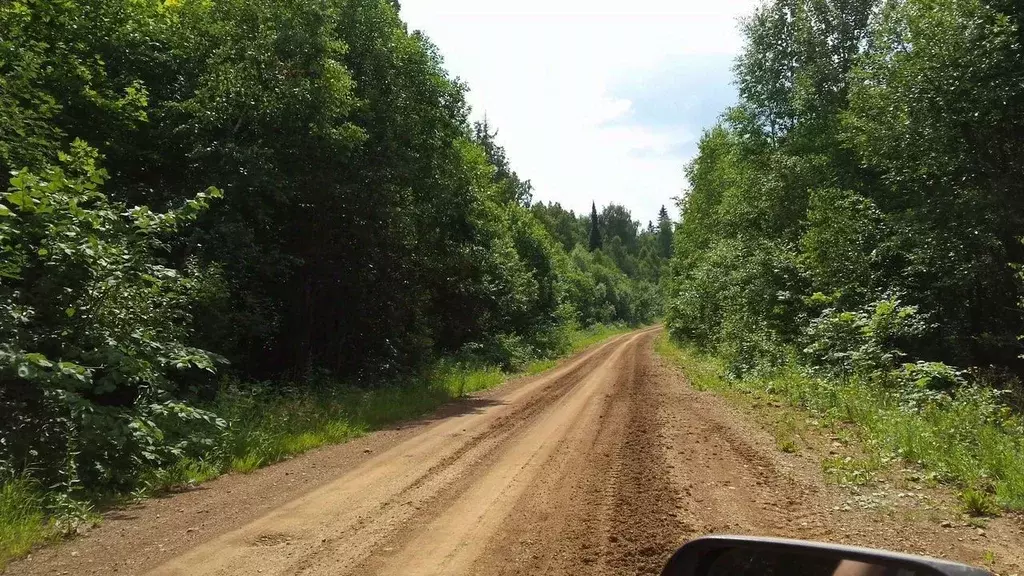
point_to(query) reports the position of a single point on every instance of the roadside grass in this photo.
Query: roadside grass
(850, 471)
(579, 340)
(969, 442)
(787, 434)
(583, 339)
(271, 422)
(538, 366)
(23, 519)
(267, 425)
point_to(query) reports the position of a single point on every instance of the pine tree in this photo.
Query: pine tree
(664, 233)
(595, 233)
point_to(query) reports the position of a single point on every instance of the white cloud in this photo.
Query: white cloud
(543, 72)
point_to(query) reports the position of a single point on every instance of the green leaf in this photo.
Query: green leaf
(38, 359)
(21, 199)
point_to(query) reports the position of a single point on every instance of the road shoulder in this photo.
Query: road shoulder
(735, 475)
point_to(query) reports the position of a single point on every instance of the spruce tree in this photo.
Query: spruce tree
(595, 233)
(664, 233)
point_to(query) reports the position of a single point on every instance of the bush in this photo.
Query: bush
(924, 383)
(863, 342)
(94, 324)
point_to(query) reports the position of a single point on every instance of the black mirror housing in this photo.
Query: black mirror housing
(750, 556)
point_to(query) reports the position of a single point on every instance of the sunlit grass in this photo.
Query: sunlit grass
(246, 464)
(23, 521)
(584, 339)
(538, 366)
(968, 442)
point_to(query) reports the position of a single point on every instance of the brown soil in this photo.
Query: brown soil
(603, 465)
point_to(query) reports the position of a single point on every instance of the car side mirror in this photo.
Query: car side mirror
(749, 556)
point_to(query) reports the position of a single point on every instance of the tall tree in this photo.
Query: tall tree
(511, 187)
(616, 220)
(595, 228)
(664, 233)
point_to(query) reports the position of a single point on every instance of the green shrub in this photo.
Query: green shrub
(861, 342)
(95, 325)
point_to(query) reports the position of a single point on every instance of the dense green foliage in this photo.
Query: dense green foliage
(862, 203)
(857, 216)
(361, 230)
(92, 325)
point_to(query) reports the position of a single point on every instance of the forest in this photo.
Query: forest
(219, 210)
(852, 235)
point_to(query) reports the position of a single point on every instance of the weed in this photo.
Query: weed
(787, 445)
(988, 558)
(786, 433)
(978, 503)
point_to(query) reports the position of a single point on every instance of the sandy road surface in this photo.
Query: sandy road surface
(600, 466)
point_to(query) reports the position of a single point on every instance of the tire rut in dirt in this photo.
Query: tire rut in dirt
(602, 504)
(558, 525)
(727, 484)
(523, 414)
(643, 527)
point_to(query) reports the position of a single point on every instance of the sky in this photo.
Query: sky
(593, 100)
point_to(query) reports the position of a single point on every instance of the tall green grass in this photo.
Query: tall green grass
(23, 520)
(969, 441)
(271, 422)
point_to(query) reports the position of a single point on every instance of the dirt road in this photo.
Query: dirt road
(601, 466)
